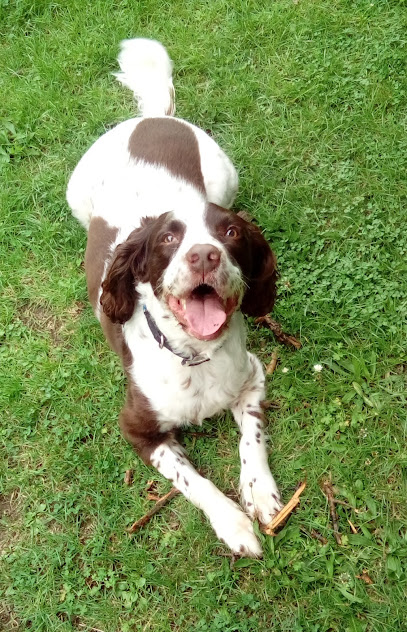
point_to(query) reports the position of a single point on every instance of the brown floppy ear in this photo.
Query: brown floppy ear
(261, 292)
(129, 264)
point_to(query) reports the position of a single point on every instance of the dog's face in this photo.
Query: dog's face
(202, 270)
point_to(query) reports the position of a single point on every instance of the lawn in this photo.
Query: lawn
(309, 98)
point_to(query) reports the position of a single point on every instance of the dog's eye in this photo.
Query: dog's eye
(169, 238)
(232, 232)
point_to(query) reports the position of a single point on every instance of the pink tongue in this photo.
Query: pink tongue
(205, 315)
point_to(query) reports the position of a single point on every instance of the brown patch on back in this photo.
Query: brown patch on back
(100, 238)
(171, 144)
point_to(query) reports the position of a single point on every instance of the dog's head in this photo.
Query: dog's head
(202, 270)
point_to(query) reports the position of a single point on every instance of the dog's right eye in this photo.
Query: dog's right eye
(169, 238)
(232, 232)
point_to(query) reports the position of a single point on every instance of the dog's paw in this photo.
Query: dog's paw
(235, 529)
(260, 497)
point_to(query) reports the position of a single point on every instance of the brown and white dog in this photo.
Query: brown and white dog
(170, 272)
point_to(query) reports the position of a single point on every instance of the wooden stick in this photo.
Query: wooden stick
(151, 496)
(318, 536)
(128, 477)
(266, 404)
(347, 505)
(365, 577)
(163, 501)
(329, 493)
(271, 367)
(352, 527)
(275, 327)
(283, 514)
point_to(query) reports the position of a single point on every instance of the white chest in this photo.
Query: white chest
(182, 395)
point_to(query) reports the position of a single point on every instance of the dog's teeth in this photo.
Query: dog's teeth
(184, 303)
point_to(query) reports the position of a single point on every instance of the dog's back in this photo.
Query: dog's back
(124, 164)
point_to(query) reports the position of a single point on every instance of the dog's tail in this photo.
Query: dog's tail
(147, 70)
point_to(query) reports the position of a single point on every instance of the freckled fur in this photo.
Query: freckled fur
(134, 182)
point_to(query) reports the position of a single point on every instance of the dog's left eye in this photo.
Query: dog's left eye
(232, 232)
(169, 238)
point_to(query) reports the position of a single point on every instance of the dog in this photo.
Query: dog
(170, 272)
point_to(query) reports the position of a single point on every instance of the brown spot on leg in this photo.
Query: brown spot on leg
(256, 413)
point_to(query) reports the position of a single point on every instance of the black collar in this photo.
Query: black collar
(193, 360)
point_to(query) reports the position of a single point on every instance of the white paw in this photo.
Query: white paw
(260, 496)
(235, 529)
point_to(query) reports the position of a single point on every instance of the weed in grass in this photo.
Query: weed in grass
(310, 101)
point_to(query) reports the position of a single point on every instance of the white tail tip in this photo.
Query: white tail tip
(147, 70)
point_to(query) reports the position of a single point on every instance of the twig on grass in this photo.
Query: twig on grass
(275, 327)
(271, 367)
(266, 404)
(329, 493)
(365, 577)
(128, 477)
(151, 496)
(318, 536)
(159, 504)
(347, 505)
(283, 514)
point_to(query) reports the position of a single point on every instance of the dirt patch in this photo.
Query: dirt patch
(10, 506)
(87, 530)
(8, 621)
(40, 318)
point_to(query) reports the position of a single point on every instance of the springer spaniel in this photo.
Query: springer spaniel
(170, 273)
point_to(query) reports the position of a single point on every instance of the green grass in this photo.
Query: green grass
(310, 101)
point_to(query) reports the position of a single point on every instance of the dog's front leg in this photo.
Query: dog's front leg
(229, 522)
(259, 492)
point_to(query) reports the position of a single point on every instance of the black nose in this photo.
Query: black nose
(203, 258)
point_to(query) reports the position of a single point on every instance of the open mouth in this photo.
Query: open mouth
(203, 312)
